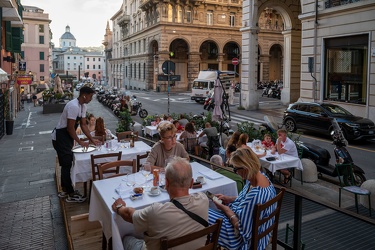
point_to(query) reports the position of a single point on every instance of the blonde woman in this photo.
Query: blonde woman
(237, 212)
(167, 147)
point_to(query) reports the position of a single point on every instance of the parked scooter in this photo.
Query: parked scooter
(207, 101)
(321, 157)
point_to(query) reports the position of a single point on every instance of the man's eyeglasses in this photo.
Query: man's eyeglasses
(169, 138)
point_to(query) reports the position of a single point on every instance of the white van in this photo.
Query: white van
(206, 82)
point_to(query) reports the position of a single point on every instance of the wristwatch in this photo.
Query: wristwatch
(118, 207)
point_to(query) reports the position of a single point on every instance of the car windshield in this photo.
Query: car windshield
(335, 110)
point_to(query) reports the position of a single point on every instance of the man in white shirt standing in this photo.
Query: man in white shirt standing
(64, 135)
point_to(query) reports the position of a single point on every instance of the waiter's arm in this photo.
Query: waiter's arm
(86, 130)
(72, 132)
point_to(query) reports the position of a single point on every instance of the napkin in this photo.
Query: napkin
(212, 175)
(122, 189)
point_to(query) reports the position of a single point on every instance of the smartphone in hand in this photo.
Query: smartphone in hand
(212, 197)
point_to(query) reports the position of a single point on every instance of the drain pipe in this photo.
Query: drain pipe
(315, 87)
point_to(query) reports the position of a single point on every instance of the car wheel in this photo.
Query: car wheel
(290, 125)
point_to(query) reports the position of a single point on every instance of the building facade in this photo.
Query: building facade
(76, 62)
(36, 46)
(327, 54)
(200, 35)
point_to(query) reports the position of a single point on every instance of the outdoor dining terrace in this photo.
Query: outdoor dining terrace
(310, 218)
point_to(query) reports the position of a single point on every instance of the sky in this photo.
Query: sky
(87, 18)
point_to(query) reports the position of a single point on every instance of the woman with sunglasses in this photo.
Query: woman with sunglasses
(167, 147)
(237, 212)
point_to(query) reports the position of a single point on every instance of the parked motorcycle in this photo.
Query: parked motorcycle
(137, 108)
(321, 157)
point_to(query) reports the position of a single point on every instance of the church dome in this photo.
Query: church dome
(67, 34)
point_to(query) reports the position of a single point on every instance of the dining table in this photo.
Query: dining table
(274, 162)
(105, 191)
(82, 171)
(151, 130)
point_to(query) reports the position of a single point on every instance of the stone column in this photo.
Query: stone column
(193, 67)
(292, 66)
(249, 95)
(220, 59)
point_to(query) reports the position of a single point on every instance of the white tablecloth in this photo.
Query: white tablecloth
(151, 130)
(81, 170)
(114, 226)
(282, 161)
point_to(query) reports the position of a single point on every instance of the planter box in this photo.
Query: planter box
(49, 108)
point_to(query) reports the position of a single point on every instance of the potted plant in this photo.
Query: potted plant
(125, 122)
(9, 122)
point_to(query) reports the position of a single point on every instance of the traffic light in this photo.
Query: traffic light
(171, 54)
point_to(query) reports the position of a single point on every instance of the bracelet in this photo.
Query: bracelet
(230, 218)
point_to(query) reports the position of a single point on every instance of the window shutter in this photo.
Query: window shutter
(8, 36)
(16, 40)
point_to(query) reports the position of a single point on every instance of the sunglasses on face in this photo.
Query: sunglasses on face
(235, 169)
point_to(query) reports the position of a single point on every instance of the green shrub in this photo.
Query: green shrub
(125, 122)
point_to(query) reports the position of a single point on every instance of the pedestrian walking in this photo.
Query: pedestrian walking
(28, 96)
(64, 135)
(35, 98)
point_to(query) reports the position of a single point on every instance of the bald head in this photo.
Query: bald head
(179, 173)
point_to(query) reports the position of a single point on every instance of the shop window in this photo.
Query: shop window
(345, 69)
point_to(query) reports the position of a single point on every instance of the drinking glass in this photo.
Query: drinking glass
(99, 146)
(146, 171)
(122, 143)
(162, 177)
(130, 180)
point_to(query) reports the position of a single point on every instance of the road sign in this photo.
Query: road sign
(171, 78)
(22, 66)
(175, 78)
(162, 77)
(168, 67)
(235, 61)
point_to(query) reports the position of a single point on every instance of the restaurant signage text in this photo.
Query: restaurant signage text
(24, 80)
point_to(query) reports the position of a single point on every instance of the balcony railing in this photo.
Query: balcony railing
(334, 3)
(123, 20)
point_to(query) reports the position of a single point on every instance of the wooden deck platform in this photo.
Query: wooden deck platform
(81, 233)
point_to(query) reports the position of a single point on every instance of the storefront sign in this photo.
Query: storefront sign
(24, 80)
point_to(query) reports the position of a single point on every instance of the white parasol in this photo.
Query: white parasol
(218, 97)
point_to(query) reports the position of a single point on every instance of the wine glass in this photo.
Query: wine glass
(146, 171)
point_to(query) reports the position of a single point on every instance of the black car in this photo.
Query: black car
(317, 117)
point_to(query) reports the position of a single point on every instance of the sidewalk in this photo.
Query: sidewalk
(29, 207)
(30, 212)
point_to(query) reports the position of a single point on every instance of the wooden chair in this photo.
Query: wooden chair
(108, 167)
(211, 242)
(258, 221)
(126, 135)
(140, 157)
(191, 145)
(94, 166)
(347, 183)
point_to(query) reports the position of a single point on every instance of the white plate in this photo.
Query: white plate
(79, 149)
(151, 194)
